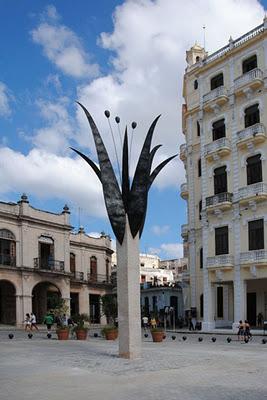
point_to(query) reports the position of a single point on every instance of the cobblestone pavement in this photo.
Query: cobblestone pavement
(48, 369)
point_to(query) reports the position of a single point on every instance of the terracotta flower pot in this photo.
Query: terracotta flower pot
(81, 334)
(157, 336)
(63, 334)
(111, 334)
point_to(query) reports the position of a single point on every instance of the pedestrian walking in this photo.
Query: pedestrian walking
(241, 330)
(190, 322)
(33, 322)
(259, 319)
(145, 322)
(48, 321)
(153, 322)
(247, 332)
(27, 322)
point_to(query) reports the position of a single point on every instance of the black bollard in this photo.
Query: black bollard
(213, 339)
(200, 339)
(11, 336)
(184, 338)
(146, 335)
(49, 335)
(95, 334)
(229, 340)
(30, 335)
(246, 340)
(264, 341)
(173, 337)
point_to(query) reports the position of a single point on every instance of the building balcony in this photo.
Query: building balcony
(77, 276)
(217, 149)
(99, 279)
(184, 191)
(224, 261)
(223, 201)
(248, 82)
(183, 152)
(215, 99)
(184, 231)
(253, 134)
(7, 259)
(48, 265)
(256, 192)
(253, 257)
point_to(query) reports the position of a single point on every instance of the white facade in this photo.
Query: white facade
(224, 123)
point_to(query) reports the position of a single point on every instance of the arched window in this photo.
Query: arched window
(218, 129)
(93, 268)
(72, 263)
(220, 180)
(199, 167)
(201, 258)
(254, 169)
(252, 115)
(201, 306)
(249, 64)
(107, 270)
(216, 81)
(7, 248)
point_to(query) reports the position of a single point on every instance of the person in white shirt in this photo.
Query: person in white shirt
(33, 322)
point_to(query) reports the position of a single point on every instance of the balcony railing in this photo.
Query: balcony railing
(223, 260)
(48, 265)
(7, 259)
(214, 94)
(219, 199)
(77, 276)
(253, 256)
(255, 74)
(184, 190)
(183, 151)
(256, 189)
(184, 230)
(98, 278)
(217, 145)
(250, 132)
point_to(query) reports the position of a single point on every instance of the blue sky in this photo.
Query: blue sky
(125, 56)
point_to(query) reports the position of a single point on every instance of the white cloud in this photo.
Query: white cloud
(63, 47)
(160, 230)
(49, 176)
(55, 136)
(54, 80)
(172, 250)
(5, 98)
(167, 250)
(148, 47)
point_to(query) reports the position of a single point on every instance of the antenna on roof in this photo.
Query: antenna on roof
(204, 36)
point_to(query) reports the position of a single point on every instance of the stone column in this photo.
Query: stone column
(84, 301)
(240, 300)
(128, 289)
(209, 302)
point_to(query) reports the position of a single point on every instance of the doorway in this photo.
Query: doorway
(74, 303)
(252, 308)
(94, 301)
(7, 303)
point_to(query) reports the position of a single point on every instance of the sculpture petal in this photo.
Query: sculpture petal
(90, 162)
(158, 169)
(125, 172)
(139, 190)
(111, 189)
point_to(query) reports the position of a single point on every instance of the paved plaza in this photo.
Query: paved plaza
(41, 368)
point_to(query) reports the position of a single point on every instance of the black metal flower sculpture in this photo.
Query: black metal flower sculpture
(131, 201)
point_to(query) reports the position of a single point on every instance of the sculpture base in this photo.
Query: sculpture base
(128, 289)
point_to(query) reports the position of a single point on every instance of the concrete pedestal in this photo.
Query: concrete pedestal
(128, 289)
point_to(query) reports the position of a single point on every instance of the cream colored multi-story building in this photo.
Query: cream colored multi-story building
(41, 259)
(225, 124)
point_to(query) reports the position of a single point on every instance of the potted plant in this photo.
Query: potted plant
(110, 332)
(110, 310)
(157, 334)
(60, 315)
(80, 329)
